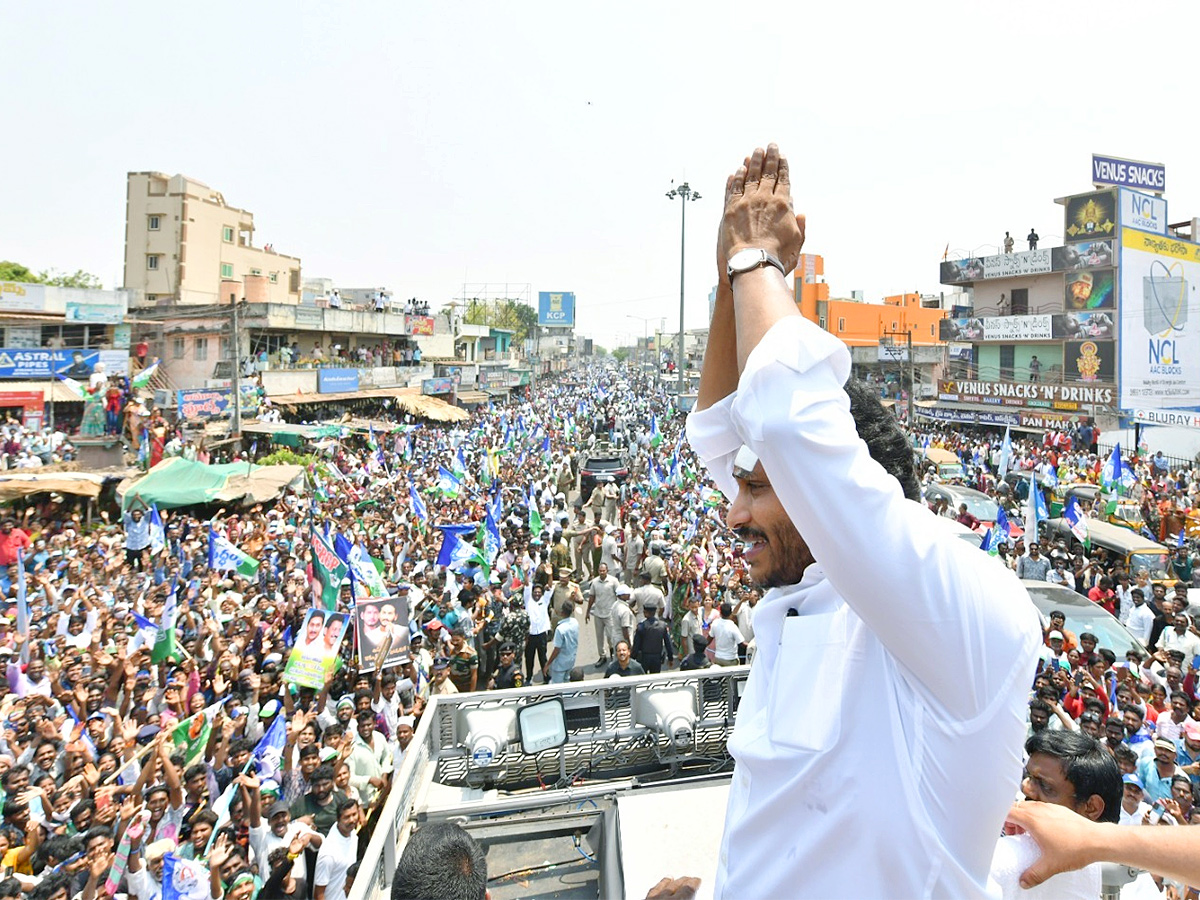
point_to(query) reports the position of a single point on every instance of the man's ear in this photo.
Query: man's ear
(1092, 808)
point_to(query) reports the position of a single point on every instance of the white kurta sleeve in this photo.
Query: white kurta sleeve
(925, 593)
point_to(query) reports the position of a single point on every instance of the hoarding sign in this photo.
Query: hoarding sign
(1143, 212)
(202, 403)
(1085, 255)
(1090, 290)
(1089, 361)
(1181, 419)
(969, 416)
(16, 362)
(337, 381)
(1130, 173)
(998, 328)
(1002, 265)
(16, 296)
(430, 386)
(309, 317)
(1160, 312)
(103, 307)
(418, 324)
(556, 308)
(1091, 216)
(1025, 393)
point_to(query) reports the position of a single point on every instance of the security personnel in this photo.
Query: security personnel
(508, 673)
(652, 640)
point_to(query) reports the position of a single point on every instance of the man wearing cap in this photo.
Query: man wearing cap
(564, 589)
(1157, 771)
(508, 670)
(1133, 801)
(842, 681)
(441, 683)
(622, 622)
(277, 831)
(652, 640)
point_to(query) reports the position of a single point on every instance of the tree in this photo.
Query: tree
(511, 315)
(14, 271)
(620, 354)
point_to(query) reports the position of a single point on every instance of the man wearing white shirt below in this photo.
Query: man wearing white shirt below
(1133, 801)
(1180, 638)
(1141, 618)
(843, 681)
(338, 853)
(1060, 575)
(727, 638)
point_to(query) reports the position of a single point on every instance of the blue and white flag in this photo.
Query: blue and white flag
(448, 483)
(1076, 520)
(1181, 540)
(1111, 473)
(1002, 531)
(184, 879)
(268, 755)
(418, 504)
(158, 532)
(989, 543)
(491, 535)
(22, 605)
(1051, 477)
(451, 539)
(1035, 511)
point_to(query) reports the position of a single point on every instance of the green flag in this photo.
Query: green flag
(329, 569)
(164, 641)
(191, 735)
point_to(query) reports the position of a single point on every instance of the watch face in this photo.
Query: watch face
(745, 259)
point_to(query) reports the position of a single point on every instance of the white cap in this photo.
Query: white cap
(1056, 636)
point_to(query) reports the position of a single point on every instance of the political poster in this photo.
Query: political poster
(380, 621)
(44, 363)
(1160, 321)
(314, 657)
(1090, 290)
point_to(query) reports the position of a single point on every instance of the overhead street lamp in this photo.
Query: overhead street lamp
(684, 193)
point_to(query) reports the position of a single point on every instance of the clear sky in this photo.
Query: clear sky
(427, 146)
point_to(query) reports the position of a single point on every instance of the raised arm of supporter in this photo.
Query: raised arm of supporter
(170, 772)
(792, 410)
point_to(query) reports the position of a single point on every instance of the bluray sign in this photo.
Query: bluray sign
(556, 308)
(1130, 173)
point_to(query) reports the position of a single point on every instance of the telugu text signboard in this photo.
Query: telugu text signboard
(556, 308)
(202, 403)
(418, 324)
(1160, 321)
(1130, 173)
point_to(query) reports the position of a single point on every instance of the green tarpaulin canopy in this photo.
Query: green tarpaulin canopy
(178, 482)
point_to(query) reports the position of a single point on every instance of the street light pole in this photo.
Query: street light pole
(645, 354)
(684, 193)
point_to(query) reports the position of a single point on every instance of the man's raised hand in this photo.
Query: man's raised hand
(758, 209)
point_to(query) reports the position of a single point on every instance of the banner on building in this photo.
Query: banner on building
(556, 308)
(1025, 393)
(418, 324)
(1142, 211)
(202, 403)
(1160, 314)
(431, 386)
(17, 362)
(968, 416)
(1089, 361)
(1002, 265)
(103, 307)
(1090, 216)
(1083, 255)
(1090, 290)
(1179, 418)
(337, 381)
(16, 296)
(1129, 173)
(1090, 325)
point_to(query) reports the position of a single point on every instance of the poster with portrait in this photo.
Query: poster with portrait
(314, 656)
(1090, 217)
(1089, 361)
(1090, 290)
(1084, 255)
(376, 620)
(1096, 326)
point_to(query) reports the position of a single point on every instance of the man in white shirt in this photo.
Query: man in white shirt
(843, 681)
(1141, 618)
(1133, 801)
(1180, 638)
(727, 637)
(338, 853)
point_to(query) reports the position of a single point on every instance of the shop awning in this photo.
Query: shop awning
(81, 484)
(472, 397)
(181, 482)
(51, 390)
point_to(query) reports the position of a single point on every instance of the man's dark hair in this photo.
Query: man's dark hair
(567, 609)
(881, 433)
(240, 745)
(343, 805)
(193, 770)
(726, 610)
(10, 887)
(1037, 703)
(323, 772)
(441, 862)
(1086, 765)
(309, 750)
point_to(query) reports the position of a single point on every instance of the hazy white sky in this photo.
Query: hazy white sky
(424, 146)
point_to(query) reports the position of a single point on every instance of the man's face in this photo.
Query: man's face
(776, 554)
(1034, 550)
(1038, 719)
(322, 789)
(1081, 290)
(313, 629)
(348, 821)
(1046, 780)
(45, 757)
(623, 654)
(35, 670)
(370, 615)
(308, 765)
(404, 735)
(366, 729)
(1165, 755)
(1057, 623)
(387, 616)
(1114, 731)
(1132, 721)
(1131, 797)
(195, 784)
(603, 571)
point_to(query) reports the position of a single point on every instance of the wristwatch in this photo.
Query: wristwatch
(749, 259)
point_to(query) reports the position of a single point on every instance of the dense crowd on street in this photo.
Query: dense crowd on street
(154, 743)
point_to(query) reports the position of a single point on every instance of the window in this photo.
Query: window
(200, 353)
(821, 321)
(227, 234)
(274, 278)
(226, 270)
(1008, 353)
(153, 223)
(178, 348)
(256, 271)
(152, 261)
(226, 348)
(932, 331)
(841, 324)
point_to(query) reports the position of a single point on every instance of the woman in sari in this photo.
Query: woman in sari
(93, 403)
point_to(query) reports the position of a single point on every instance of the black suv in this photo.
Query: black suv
(603, 463)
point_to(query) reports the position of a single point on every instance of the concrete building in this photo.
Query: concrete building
(185, 246)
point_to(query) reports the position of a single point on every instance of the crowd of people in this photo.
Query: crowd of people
(127, 759)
